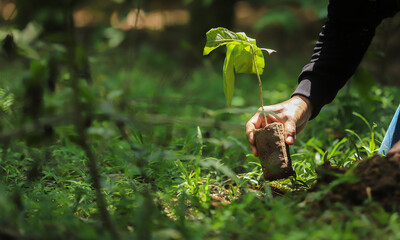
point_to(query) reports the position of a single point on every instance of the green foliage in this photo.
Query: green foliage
(172, 162)
(285, 17)
(363, 82)
(242, 56)
(288, 14)
(6, 100)
(368, 144)
(200, 182)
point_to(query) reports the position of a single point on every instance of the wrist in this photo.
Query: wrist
(303, 103)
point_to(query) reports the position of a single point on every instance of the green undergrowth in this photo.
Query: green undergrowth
(181, 168)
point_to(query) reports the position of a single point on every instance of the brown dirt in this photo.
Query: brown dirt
(273, 152)
(376, 178)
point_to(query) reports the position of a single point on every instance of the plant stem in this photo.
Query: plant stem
(260, 86)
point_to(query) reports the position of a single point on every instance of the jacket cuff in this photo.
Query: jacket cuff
(309, 90)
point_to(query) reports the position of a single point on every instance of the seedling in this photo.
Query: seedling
(243, 56)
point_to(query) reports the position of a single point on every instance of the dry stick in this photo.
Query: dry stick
(94, 173)
(81, 128)
(100, 200)
(260, 86)
(92, 164)
(144, 232)
(139, 7)
(12, 14)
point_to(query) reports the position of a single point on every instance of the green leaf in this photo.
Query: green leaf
(6, 100)
(217, 37)
(372, 144)
(354, 134)
(242, 56)
(215, 163)
(239, 59)
(244, 62)
(229, 75)
(336, 147)
(362, 118)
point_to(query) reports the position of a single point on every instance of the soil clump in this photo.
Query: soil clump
(374, 179)
(273, 152)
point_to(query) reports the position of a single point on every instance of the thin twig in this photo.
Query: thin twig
(139, 8)
(81, 126)
(12, 13)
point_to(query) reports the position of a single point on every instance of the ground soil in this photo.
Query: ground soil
(375, 179)
(273, 152)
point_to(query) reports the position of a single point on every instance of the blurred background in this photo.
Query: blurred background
(177, 28)
(123, 84)
(150, 52)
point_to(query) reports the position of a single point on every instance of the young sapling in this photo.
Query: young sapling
(243, 56)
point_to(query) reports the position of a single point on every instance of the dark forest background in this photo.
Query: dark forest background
(114, 126)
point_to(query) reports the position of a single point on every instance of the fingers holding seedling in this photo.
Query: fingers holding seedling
(290, 132)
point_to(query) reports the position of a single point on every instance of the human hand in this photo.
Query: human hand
(293, 113)
(394, 150)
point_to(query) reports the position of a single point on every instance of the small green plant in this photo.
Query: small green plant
(368, 144)
(242, 56)
(6, 100)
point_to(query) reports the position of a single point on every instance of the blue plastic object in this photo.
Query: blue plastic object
(392, 135)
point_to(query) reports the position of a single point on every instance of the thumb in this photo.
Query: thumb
(290, 132)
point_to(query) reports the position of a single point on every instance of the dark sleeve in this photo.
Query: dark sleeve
(342, 43)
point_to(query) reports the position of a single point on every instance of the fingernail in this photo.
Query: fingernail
(290, 140)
